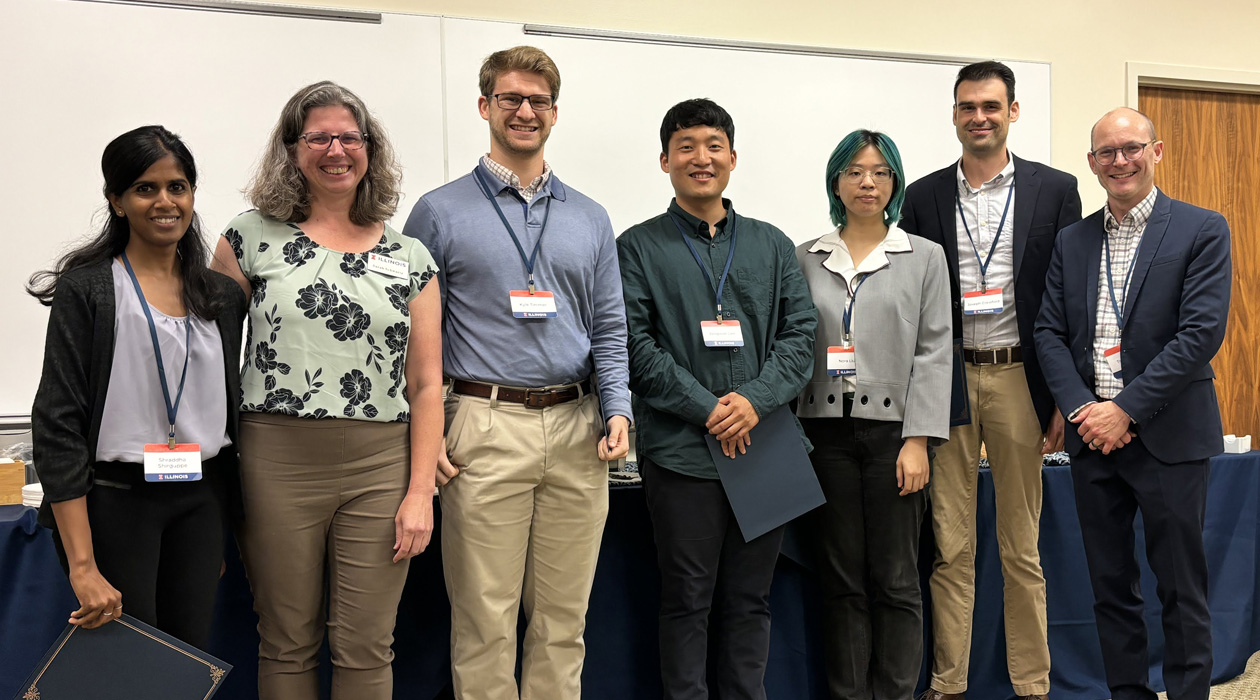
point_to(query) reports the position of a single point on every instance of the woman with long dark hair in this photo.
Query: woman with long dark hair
(135, 417)
(342, 388)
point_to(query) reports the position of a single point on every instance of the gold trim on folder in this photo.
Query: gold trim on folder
(216, 673)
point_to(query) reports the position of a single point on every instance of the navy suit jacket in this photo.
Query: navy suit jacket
(1174, 321)
(1046, 200)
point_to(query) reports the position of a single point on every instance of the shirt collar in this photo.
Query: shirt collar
(839, 261)
(693, 224)
(510, 178)
(1137, 216)
(1004, 178)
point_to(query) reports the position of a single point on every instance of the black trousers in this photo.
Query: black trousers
(160, 544)
(1110, 489)
(867, 538)
(706, 566)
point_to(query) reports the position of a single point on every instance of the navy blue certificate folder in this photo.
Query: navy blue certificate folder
(123, 660)
(774, 482)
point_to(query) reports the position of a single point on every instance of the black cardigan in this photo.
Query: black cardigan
(78, 357)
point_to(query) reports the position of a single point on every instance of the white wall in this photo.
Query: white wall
(1087, 42)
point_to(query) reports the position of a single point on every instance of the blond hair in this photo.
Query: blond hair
(528, 59)
(279, 190)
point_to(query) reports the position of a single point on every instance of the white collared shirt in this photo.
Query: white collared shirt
(840, 262)
(983, 208)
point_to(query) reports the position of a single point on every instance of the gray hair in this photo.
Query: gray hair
(278, 189)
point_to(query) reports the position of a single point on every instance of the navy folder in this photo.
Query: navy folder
(774, 482)
(123, 660)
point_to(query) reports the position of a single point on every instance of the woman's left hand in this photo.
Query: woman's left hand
(413, 525)
(912, 465)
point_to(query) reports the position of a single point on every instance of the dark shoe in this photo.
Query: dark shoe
(934, 694)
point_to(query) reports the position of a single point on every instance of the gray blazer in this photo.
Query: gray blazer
(902, 336)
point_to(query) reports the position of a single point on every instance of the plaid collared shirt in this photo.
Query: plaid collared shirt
(510, 179)
(1123, 237)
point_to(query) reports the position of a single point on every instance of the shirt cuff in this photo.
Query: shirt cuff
(1073, 414)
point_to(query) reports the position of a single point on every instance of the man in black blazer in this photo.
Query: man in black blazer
(1136, 302)
(996, 216)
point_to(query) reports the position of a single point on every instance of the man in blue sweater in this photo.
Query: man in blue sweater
(532, 309)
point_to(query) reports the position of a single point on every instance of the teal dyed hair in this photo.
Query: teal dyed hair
(844, 154)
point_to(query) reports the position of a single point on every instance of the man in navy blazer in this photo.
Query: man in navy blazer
(1136, 302)
(996, 216)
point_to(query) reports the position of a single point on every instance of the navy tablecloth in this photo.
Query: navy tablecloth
(35, 601)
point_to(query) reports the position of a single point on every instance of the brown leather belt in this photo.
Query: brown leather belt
(530, 398)
(994, 356)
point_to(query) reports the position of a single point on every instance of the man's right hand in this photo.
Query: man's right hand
(445, 469)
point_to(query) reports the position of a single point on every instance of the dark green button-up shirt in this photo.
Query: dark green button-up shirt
(675, 379)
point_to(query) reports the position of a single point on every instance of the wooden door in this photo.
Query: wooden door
(1212, 159)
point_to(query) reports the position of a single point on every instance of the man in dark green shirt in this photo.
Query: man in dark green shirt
(721, 333)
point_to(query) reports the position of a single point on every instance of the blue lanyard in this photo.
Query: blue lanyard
(1111, 288)
(171, 409)
(984, 264)
(704, 268)
(848, 309)
(529, 261)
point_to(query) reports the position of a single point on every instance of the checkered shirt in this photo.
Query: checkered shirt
(1124, 237)
(510, 179)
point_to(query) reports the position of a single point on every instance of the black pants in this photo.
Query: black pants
(1110, 489)
(706, 565)
(868, 547)
(160, 545)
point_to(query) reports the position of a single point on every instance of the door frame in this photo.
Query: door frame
(1185, 77)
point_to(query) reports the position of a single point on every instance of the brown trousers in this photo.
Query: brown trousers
(521, 524)
(320, 500)
(1003, 418)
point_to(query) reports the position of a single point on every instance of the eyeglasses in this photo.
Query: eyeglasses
(855, 176)
(321, 141)
(1131, 151)
(512, 101)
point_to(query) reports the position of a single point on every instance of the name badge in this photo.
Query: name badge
(183, 463)
(387, 266)
(536, 305)
(1112, 356)
(726, 334)
(841, 361)
(987, 302)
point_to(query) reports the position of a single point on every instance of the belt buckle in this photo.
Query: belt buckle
(538, 398)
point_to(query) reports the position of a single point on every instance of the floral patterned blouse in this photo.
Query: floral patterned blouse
(327, 330)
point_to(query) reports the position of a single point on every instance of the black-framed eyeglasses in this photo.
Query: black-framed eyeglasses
(1131, 151)
(855, 175)
(322, 141)
(511, 101)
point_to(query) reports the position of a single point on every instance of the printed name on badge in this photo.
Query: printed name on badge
(726, 334)
(183, 463)
(1112, 356)
(841, 361)
(387, 266)
(986, 302)
(536, 305)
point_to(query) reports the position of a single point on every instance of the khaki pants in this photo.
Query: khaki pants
(320, 500)
(521, 524)
(1003, 418)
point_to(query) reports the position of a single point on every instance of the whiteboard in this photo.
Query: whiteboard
(789, 110)
(78, 74)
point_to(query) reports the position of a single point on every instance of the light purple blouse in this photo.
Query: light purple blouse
(134, 411)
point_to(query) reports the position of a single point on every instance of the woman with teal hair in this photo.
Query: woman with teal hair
(878, 397)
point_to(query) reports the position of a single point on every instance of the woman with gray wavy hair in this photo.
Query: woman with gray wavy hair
(341, 418)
